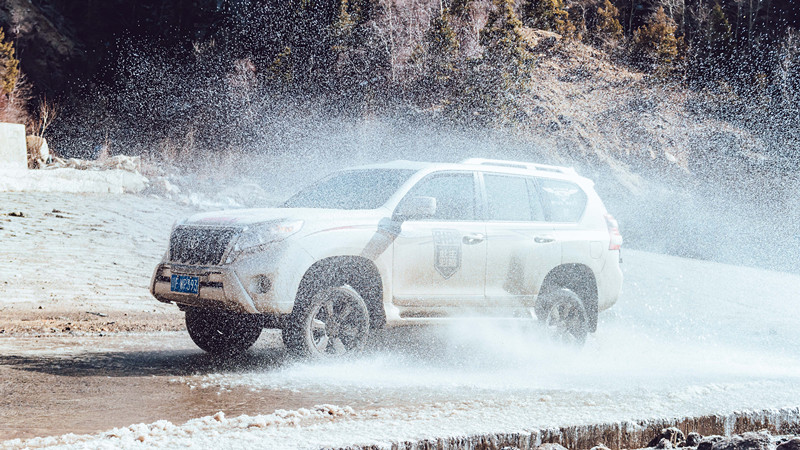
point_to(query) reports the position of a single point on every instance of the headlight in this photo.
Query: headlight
(255, 236)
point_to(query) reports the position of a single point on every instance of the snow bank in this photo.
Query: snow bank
(113, 181)
(436, 426)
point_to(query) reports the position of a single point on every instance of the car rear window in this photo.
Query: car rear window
(564, 201)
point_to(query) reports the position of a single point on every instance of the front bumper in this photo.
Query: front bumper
(219, 288)
(265, 282)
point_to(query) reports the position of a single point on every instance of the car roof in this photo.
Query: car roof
(485, 165)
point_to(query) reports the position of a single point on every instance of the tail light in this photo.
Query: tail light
(613, 231)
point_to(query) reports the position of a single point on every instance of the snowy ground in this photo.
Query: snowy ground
(687, 338)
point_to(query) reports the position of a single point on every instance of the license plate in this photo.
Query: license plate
(185, 284)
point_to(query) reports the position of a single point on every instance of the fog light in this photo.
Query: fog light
(263, 284)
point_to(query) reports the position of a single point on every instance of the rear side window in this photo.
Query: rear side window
(510, 199)
(454, 194)
(564, 201)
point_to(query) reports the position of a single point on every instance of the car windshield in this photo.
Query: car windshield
(351, 189)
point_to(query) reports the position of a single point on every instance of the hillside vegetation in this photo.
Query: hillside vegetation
(678, 83)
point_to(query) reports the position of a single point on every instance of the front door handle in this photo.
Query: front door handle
(543, 239)
(472, 239)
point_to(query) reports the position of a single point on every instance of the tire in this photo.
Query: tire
(333, 323)
(564, 317)
(222, 333)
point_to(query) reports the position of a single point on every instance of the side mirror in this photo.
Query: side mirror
(415, 208)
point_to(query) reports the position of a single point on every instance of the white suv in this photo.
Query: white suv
(400, 243)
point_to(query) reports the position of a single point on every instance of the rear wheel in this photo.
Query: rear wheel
(222, 333)
(564, 317)
(333, 323)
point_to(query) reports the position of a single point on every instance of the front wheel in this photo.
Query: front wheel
(564, 317)
(333, 323)
(222, 333)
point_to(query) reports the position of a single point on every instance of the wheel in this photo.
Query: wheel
(333, 323)
(564, 317)
(222, 333)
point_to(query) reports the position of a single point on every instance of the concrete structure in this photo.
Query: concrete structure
(13, 149)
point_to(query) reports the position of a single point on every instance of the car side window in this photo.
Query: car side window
(564, 201)
(454, 194)
(509, 199)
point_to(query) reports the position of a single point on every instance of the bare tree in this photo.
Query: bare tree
(675, 10)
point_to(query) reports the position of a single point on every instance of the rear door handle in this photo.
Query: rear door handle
(471, 239)
(543, 239)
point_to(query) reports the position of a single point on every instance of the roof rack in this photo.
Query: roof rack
(520, 165)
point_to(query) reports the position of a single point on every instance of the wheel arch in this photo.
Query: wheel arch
(356, 271)
(578, 278)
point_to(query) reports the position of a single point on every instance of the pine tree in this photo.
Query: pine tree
(438, 54)
(719, 44)
(9, 66)
(493, 83)
(504, 45)
(361, 61)
(655, 46)
(548, 15)
(609, 29)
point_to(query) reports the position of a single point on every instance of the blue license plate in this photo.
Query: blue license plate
(185, 284)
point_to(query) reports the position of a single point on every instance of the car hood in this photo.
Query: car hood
(244, 217)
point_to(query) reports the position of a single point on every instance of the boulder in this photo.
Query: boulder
(672, 435)
(12, 146)
(791, 444)
(708, 442)
(551, 446)
(122, 162)
(747, 441)
(693, 439)
(38, 152)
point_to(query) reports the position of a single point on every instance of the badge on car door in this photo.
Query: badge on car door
(446, 252)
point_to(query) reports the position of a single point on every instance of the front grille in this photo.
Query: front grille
(199, 246)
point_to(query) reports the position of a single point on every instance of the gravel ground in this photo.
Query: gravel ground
(82, 262)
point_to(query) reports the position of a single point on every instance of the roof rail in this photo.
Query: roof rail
(520, 165)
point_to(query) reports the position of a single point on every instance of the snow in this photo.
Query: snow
(687, 338)
(114, 181)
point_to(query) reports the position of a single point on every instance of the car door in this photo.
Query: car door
(522, 246)
(440, 261)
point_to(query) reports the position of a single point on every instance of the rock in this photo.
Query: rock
(600, 447)
(707, 442)
(162, 187)
(664, 443)
(672, 435)
(540, 40)
(551, 446)
(791, 444)
(693, 439)
(123, 162)
(38, 152)
(747, 441)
